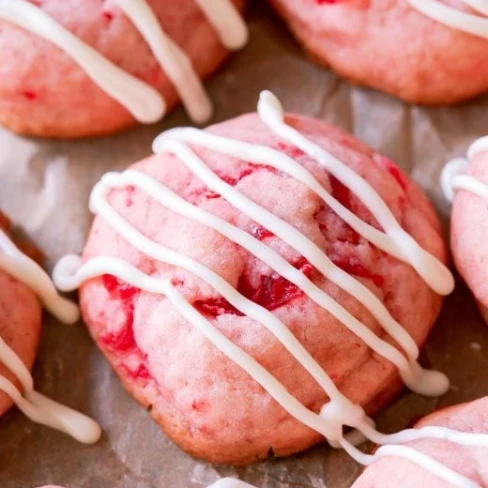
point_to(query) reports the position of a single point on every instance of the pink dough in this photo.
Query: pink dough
(391, 46)
(44, 92)
(394, 472)
(20, 322)
(204, 401)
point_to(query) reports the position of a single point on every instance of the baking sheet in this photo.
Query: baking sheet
(45, 186)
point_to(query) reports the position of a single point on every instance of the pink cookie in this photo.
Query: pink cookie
(44, 92)
(205, 402)
(469, 229)
(392, 46)
(20, 318)
(468, 461)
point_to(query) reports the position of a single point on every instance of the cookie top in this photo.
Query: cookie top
(228, 230)
(430, 52)
(71, 72)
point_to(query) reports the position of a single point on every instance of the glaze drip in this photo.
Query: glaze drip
(37, 407)
(454, 176)
(230, 483)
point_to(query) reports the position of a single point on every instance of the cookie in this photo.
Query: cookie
(465, 183)
(20, 320)
(76, 72)
(462, 459)
(241, 276)
(23, 285)
(430, 52)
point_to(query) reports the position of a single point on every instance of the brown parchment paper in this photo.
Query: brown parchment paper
(45, 185)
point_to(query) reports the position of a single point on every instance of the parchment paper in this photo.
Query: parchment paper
(45, 186)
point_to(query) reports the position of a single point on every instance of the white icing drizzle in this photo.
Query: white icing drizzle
(463, 21)
(172, 59)
(411, 372)
(432, 271)
(144, 102)
(34, 405)
(17, 264)
(227, 21)
(230, 483)
(454, 177)
(71, 272)
(413, 455)
(428, 463)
